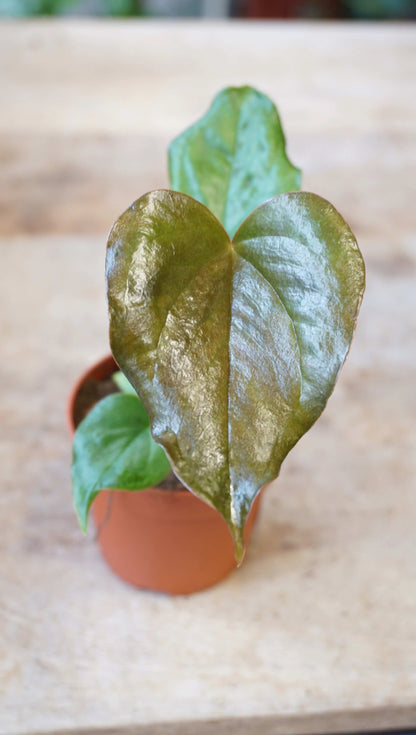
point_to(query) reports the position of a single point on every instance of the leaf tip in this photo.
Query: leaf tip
(81, 511)
(237, 534)
(82, 520)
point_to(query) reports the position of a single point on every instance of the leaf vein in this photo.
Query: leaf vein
(99, 482)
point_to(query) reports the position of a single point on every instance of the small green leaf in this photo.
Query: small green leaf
(234, 157)
(113, 448)
(123, 384)
(235, 347)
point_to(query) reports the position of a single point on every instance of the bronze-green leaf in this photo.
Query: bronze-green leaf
(233, 347)
(234, 157)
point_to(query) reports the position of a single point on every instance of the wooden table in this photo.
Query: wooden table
(317, 631)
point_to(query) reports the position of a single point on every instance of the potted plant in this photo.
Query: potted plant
(233, 299)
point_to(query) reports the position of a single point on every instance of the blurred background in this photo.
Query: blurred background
(319, 9)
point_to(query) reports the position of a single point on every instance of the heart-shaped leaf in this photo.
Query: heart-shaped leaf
(235, 347)
(234, 157)
(113, 448)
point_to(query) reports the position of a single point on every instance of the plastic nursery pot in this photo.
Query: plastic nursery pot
(159, 539)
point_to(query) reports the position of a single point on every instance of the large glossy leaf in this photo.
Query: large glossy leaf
(235, 347)
(234, 157)
(113, 448)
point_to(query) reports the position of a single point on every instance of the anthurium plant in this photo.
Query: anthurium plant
(233, 300)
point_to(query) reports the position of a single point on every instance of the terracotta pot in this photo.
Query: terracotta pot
(160, 539)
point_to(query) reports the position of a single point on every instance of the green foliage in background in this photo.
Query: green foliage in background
(381, 9)
(234, 157)
(118, 8)
(360, 9)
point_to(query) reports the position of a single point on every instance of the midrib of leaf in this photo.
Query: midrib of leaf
(169, 311)
(98, 483)
(190, 172)
(231, 489)
(116, 432)
(236, 531)
(227, 189)
(207, 264)
(282, 302)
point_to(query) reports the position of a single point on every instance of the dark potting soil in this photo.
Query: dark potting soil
(93, 391)
(90, 393)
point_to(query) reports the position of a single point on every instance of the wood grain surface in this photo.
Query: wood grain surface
(317, 631)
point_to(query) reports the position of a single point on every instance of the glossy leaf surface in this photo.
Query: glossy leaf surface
(113, 448)
(234, 157)
(235, 347)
